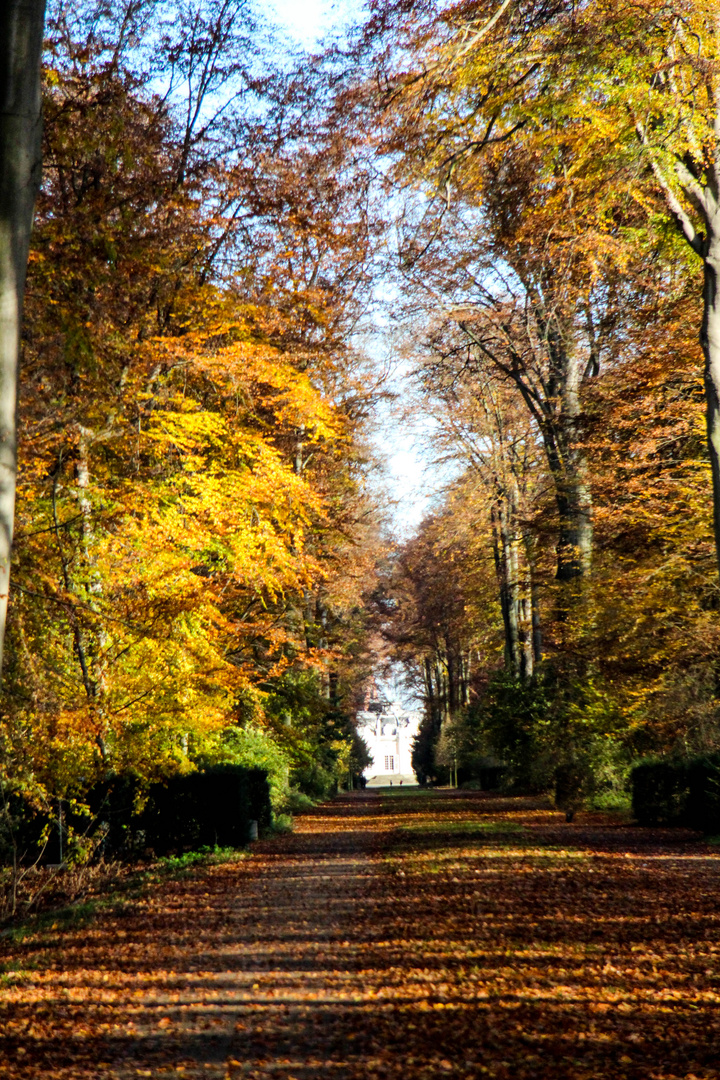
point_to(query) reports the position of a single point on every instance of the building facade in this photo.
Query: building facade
(388, 731)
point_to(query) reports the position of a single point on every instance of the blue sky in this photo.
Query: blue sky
(310, 20)
(409, 482)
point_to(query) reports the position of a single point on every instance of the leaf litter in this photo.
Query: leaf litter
(457, 934)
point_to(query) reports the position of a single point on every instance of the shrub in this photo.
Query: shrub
(205, 809)
(212, 808)
(255, 748)
(298, 802)
(678, 791)
(23, 828)
(314, 780)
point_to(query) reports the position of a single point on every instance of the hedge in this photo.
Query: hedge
(202, 809)
(205, 809)
(678, 791)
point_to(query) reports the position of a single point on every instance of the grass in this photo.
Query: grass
(394, 793)
(175, 865)
(80, 913)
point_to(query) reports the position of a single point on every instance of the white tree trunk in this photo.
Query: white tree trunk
(21, 32)
(710, 341)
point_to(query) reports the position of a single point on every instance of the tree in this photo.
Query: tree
(500, 237)
(438, 610)
(670, 106)
(194, 528)
(481, 424)
(21, 30)
(620, 100)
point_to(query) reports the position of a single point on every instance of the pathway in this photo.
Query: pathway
(392, 935)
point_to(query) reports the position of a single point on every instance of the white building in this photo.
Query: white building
(388, 731)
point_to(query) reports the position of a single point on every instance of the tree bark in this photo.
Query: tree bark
(515, 585)
(574, 498)
(21, 35)
(536, 624)
(559, 418)
(507, 586)
(575, 529)
(710, 341)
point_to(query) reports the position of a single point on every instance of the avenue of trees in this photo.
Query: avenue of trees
(559, 165)
(201, 571)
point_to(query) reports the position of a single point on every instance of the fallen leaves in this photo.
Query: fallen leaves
(385, 938)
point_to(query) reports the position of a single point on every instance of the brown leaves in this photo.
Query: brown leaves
(514, 945)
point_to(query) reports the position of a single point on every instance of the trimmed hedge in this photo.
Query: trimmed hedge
(678, 791)
(202, 809)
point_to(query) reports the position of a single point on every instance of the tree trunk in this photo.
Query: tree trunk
(527, 656)
(515, 588)
(710, 341)
(507, 605)
(21, 34)
(568, 466)
(537, 638)
(575, 534)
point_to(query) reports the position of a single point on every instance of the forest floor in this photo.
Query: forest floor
(391, 935)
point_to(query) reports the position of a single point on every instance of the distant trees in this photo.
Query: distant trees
(440, 621)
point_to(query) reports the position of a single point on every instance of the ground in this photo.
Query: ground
(391, 935)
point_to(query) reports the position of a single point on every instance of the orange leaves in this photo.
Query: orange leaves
(568, 951)
(191, 498)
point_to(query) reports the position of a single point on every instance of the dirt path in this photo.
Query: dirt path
(407, 935)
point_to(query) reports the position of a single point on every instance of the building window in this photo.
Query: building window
(389, 763)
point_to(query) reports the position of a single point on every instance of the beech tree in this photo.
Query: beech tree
(481, 424)
(660, 65)
(528, 303)
(496, 235)
(552, 159)
(618, 102)
(195, 535)
(21, 32)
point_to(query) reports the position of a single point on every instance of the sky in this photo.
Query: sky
(308, 21)
(410, 481)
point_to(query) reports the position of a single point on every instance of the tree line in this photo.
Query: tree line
(201, 569)
(194, 532)
(560, 171)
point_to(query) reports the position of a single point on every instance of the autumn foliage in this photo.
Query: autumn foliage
(200, 569)
(556, 170)
(193, 531)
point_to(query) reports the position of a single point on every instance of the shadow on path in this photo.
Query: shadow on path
(422, 936)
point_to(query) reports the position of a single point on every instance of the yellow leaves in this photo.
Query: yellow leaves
(188, 484)
(192, 551)
(188, 429)
(252, 378)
